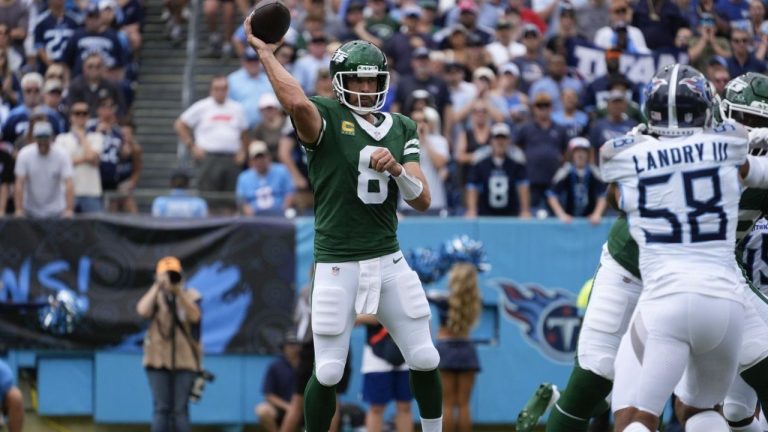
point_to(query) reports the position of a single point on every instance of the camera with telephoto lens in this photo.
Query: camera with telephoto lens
(174, 277)
(199, 385)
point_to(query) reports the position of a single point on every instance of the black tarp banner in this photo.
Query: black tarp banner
(98, 268)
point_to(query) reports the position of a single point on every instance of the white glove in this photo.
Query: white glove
(758, 138)
(640, 129)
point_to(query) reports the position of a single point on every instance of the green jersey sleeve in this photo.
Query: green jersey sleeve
(412, 144)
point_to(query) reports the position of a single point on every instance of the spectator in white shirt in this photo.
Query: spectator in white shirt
(214, 131)
(505, 48)
(84, 149)
(620, 35)
(44, 186)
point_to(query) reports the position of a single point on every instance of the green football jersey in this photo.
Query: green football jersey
(622, 247)
(355, 206)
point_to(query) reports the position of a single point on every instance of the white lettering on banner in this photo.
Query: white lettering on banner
(639, 68)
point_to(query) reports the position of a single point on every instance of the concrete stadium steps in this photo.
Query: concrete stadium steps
(158, 99)
(159, 94)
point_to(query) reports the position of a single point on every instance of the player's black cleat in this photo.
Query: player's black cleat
(536, 407)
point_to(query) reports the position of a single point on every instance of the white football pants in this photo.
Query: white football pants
(385, 286)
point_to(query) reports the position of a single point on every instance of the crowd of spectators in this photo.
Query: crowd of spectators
(68, 70)
(508, 124)
(503, 108)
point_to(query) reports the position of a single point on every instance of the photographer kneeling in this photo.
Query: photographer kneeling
(171, 349)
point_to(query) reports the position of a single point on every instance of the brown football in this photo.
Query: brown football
(270, 20)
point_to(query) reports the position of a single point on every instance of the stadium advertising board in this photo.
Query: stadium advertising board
(74, 284)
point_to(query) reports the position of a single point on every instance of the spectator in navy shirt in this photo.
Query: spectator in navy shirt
(577, 190)
(544, 143)
(53, 30)
(423, 78)
(616, 123)
(498, 184)
(401, 45)
(742, 60)
(111, 145)
(92, 86)
(660, 25)
(278, 386)
(95, 38)
(531, 64)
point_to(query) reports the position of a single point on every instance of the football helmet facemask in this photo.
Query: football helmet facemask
(360, 59)
(678, 101)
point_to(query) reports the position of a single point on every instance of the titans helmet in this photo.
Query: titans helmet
(678, 101)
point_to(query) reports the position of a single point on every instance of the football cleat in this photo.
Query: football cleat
(544, 397)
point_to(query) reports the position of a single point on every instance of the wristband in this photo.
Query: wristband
(410, 186)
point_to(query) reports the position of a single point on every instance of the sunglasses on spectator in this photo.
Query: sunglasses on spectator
(619, 11)
(79, 113)
(54, 76)
(542, 105)
(740, 40)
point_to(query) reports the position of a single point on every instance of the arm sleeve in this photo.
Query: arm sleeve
(757, 176)
(67, 162)
(192, 116)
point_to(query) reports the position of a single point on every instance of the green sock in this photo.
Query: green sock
(583, 397)
(319, 405)
(757, 378)
(427, 389)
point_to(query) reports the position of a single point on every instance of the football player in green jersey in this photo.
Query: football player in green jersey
(359, 159)
(617, 287)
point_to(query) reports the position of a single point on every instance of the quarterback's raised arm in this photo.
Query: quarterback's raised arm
(305, 115)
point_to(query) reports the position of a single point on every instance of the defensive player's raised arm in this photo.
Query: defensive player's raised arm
(754, 172)
(304, 113)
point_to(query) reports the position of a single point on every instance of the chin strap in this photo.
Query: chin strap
(410, 186)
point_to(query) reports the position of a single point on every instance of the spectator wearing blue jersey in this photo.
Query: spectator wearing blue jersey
(11, 400)
(95, 38)
(577, 190)
(53, 30)
(544, 143)
(179, 203)
(264, 188)
(498, 184)
(15, 128)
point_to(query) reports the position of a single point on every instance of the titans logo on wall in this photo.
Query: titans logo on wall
(548, 318)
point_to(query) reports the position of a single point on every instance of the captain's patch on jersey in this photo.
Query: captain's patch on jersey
(347, 128)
